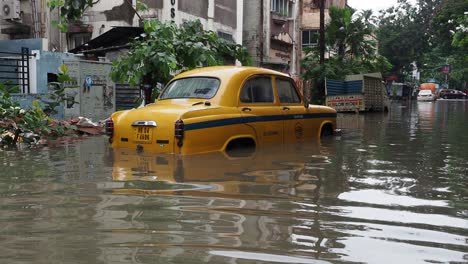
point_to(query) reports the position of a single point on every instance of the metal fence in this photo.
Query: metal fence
(15, 70)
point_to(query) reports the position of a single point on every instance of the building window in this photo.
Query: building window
(281, 7)
(310, 37)
(77, 39)
(226, 36)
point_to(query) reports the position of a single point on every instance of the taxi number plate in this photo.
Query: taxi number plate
(143, 134)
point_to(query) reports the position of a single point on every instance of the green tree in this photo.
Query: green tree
(167, 49)
(402, 35)
(431, 34)
(72, 10)
(351, 45)
(450, 41)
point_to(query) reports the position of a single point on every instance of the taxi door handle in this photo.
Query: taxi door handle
(285, 108)
(246, 109)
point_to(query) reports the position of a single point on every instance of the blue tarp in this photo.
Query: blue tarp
(335, 87)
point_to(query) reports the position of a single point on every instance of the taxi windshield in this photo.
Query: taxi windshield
(194, 87)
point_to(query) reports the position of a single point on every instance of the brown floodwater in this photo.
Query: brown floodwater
(393, 188)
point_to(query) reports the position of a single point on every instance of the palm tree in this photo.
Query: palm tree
(352, 48)
(349, 37)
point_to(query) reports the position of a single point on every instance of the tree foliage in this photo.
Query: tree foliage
(431, 34)
(351, 47)
(70, 10)
(166, 49)
(450, 27)
(28, 124)
(400, 35)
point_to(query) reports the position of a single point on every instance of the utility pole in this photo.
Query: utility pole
(322, 32)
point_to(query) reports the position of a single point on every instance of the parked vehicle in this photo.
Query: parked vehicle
(426, 95)
(429, 86)
(362, 92)
(452, 94)
(221, 109)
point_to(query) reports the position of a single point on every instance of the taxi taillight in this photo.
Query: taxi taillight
(109, 127)
(179, 132)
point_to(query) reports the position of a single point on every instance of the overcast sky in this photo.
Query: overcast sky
(375, 5)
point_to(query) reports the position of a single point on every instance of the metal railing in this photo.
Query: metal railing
(14, 69)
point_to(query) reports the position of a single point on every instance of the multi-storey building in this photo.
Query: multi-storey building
(271, 33)
(310, 21)
(26, 19)
(32, 19)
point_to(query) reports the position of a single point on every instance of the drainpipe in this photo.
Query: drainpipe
(262, 35)
(322, 32)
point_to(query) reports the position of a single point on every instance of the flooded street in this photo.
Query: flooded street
(391, 189)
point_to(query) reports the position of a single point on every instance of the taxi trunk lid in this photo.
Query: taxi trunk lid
(149, 128)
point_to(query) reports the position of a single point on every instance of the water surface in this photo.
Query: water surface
(391, 189)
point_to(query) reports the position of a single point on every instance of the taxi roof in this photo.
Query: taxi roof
(231, 77)
(223, 72)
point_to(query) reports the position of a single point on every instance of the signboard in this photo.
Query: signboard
(446, 69)
(346, 103)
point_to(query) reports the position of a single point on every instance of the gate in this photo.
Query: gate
(14, 69)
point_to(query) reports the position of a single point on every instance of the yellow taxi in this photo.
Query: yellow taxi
(221, 109)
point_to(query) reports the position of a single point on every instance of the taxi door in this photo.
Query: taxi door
(260, 110)
(298, 124)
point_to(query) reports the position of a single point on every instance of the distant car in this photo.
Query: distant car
(221, 109)
(452, 94)
(426, 95)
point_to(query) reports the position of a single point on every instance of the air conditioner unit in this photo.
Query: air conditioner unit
(10, 9)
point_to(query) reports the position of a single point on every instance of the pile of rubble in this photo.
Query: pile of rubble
(76, 126)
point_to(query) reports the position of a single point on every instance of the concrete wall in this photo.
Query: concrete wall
(226, 12)
(311, 13)
(16, 45)
(47, 62)
(155, 4)
(92, 88)
(26, 102)
(96, 98)
(197, 8)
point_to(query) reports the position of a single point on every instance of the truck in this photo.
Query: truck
(357, 93)
(428, 86)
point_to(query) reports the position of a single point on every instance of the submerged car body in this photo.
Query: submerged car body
(220, 109)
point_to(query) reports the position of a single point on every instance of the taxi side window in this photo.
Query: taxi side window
(257, 90)
(286, 91)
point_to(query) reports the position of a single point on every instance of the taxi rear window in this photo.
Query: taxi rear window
(193, 87)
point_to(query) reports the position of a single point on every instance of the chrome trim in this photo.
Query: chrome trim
(144, 123)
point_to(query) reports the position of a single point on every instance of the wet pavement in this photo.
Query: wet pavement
(391, 189)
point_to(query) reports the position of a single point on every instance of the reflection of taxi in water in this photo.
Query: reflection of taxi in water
(273, 171)
(220, 109)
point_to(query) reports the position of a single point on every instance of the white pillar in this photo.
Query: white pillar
(210, 17)
(296, 42)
